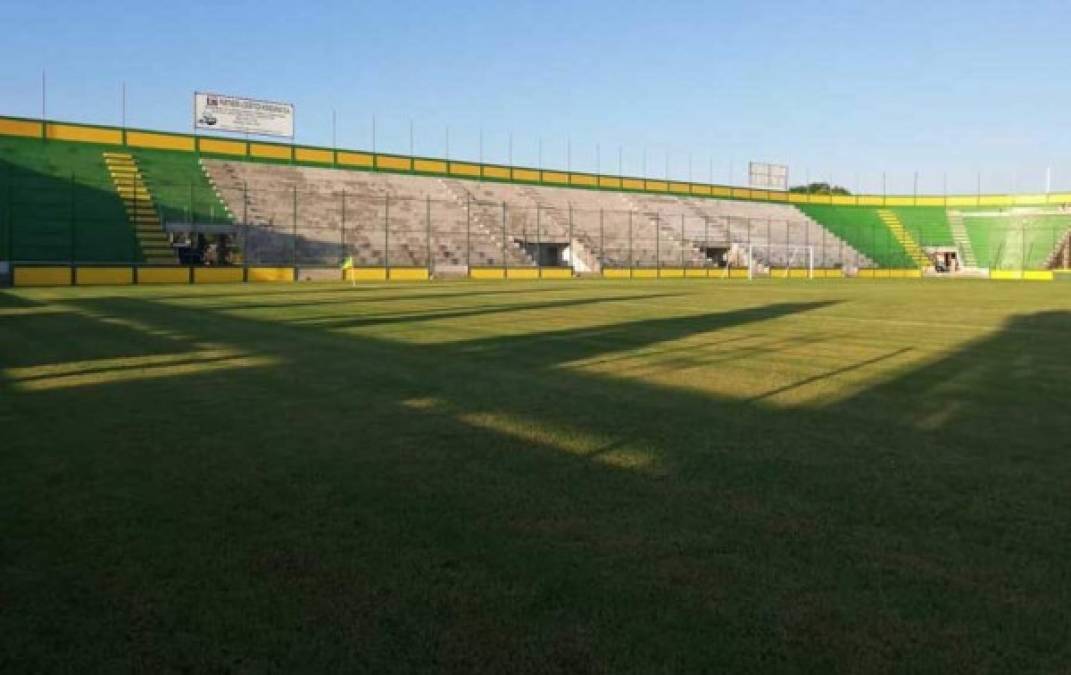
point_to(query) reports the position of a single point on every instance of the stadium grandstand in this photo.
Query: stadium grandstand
(137, 205)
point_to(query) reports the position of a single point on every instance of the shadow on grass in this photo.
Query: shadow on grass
(370, 505)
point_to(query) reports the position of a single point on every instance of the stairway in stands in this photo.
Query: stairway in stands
(963, 242)
(140, 209)
(892, 221)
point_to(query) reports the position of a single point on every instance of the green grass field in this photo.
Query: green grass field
(585, 476)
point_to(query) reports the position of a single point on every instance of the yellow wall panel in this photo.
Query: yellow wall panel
(617, 273)
(501, 172)
(697, 272)
(644, 273)
(763, 195)
(930, 201)
(393, 163)
(429, 165)
(870, 200)
(20, 128)
(900, 201)
(738, 273)
(267, 151)
(671, 273)
(218, 147)
(842, 200)
(487, 273)
(797, 197)
(354, 158)
(408, 274)
(144, 139)
(42, 276)
(1021, 200)
(70, 132)
(631, 183)
(700, 189)
(994, 200)
(1037, 275)
(721, 191)
(530, 175)
(366, 274)
(655, 185)
(610, 182)
(163, 275)
(463, 169)
(583, 179)
(556, 177)
(522, 273)
(679, 187)
(1059, 198)
(556, 273)
(217, 275)
(1005, 275)
(266, 274)
(740, 193)
(104, 276)
(314, 155)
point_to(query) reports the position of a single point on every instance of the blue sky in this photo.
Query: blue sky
(848, 90)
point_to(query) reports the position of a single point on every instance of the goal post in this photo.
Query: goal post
(779, 260)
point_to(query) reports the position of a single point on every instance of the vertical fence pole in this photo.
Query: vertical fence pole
(505, 259)
(73, 223)
(293, 238)
(682, 243)
(245, 230)
(539, 242)
(572, 243)
(134, 234)
(658, 244)
(602, 242)
(630, 257)
(468, 235)
(430, 261)
(386, 234)
(342, 232)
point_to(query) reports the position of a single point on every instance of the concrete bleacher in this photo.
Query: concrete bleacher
(323, 215)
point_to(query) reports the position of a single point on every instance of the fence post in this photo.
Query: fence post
(572, 243)
(342, 234)
(630, 257)
(682, 243)
(293, 240)
(73, 223)
(134, 234)
(602, 242)
(505, 259)
(658, 244)
(245, 230)
(386, 235)
(427, 221)
(468, 235)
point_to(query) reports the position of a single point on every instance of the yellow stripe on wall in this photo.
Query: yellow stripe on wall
(496, 172)
(556, 273)
(143, 139)
(655, 185)
(631, 183)
(1038, 275)
(217, 275)
(555, 177)
(522, 273)
(679, 187)
(270, 274)
(20, 128)
(700, 189)
(408, 274)
(583, 179)
(609, 182)
(392, 162)
(487, 273)
(526, 174)
(354, 158)
(216, 146)
(70, 132)
(163, 275)
(42, 276)
(314, 155)
(617, 273)
(267, 151)
(429, 166)
(464, 169)
(104, 276)
(644, 273)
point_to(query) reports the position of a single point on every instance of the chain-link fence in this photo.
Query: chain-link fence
(277, 223)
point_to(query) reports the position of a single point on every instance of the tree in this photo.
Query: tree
(820, 189)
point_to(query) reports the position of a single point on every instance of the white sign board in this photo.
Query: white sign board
(767, 176)
(243, 115)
